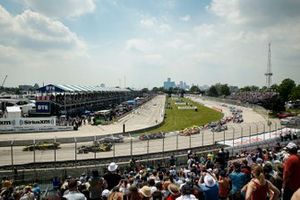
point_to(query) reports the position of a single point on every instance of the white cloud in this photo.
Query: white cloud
(35, 31)
(228, 9)
(256, 12)
(154, 24)
(62, 8)
(139, 45)
(185, 18)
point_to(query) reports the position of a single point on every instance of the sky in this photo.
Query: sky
(140, 43)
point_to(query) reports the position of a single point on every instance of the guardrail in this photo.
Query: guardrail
(131, 146)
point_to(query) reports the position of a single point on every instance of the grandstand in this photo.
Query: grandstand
(74, 100)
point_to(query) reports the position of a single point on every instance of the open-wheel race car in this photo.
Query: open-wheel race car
(95, 147)
(112, 139)
(190, 131)
(152, 136)
(42, 146)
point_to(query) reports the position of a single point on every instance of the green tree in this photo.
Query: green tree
(295, 93)
(285, 88)
(194, 89)
(254, 88)
(145, 90)
(274, 87)
(225, 90)
(264, 89)
(245, 89)
(212, 91)
(155, 89)
(275, 103)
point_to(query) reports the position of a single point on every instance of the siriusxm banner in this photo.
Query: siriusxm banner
(28, 122)
(42, 107)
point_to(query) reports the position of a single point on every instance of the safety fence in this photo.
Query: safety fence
(13, 157)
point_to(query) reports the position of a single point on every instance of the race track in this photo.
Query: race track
(145, 116)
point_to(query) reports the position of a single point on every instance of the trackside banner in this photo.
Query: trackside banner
(258, 138)
(28, 122)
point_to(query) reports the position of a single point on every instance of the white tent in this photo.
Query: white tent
(12, 112)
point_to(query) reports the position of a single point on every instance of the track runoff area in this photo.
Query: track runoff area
(147, 115)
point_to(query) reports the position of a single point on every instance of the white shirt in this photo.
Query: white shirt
(74, 195)
(187, 197)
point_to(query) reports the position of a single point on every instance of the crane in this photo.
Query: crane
(3, 82)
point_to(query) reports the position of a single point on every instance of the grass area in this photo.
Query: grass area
(296, 111)
(179, 119)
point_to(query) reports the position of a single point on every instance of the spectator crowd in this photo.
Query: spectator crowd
(253, 97)
(258, 175)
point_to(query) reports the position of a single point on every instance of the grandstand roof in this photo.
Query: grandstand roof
(58, 88)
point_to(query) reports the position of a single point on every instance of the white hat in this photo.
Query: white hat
(112, 167)
(105, 193)
(209, 181)
(291, 145)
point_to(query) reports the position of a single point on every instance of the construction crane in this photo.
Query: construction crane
(3, 82)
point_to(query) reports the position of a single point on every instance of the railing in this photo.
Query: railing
(75, 168)
(13, 155)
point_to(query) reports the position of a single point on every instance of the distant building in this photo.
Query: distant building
(183, 85)
(169, 84)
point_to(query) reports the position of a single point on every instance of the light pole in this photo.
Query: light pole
(233, 132)
(256, 132)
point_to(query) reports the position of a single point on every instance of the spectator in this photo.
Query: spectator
(259, 187)
(133, 193)
(97, 185)
(172, 160)
(296, 195)
(28, 194)
(72, 193)
(174, 192)
(238, 180)
(224, 186)
(36, 191)
(112, 178)
(291, 173)
(145, 193)
(115, 194)
(186, 193)
(105, 194)
(210, 188)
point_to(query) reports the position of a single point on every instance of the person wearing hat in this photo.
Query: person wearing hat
(174, 192)
(291, 172)
(210, 188)
(105, 193)
(112, 178)
(145, 192)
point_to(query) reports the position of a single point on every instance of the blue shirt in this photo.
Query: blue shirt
(238, 180)
(210, 193)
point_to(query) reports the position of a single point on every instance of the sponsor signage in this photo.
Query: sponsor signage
(42, 107)
(29, 122)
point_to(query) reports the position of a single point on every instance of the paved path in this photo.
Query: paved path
(253, 123)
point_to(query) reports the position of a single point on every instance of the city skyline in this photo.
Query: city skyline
(201, 42)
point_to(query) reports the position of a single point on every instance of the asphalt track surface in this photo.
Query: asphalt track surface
(144, 116)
